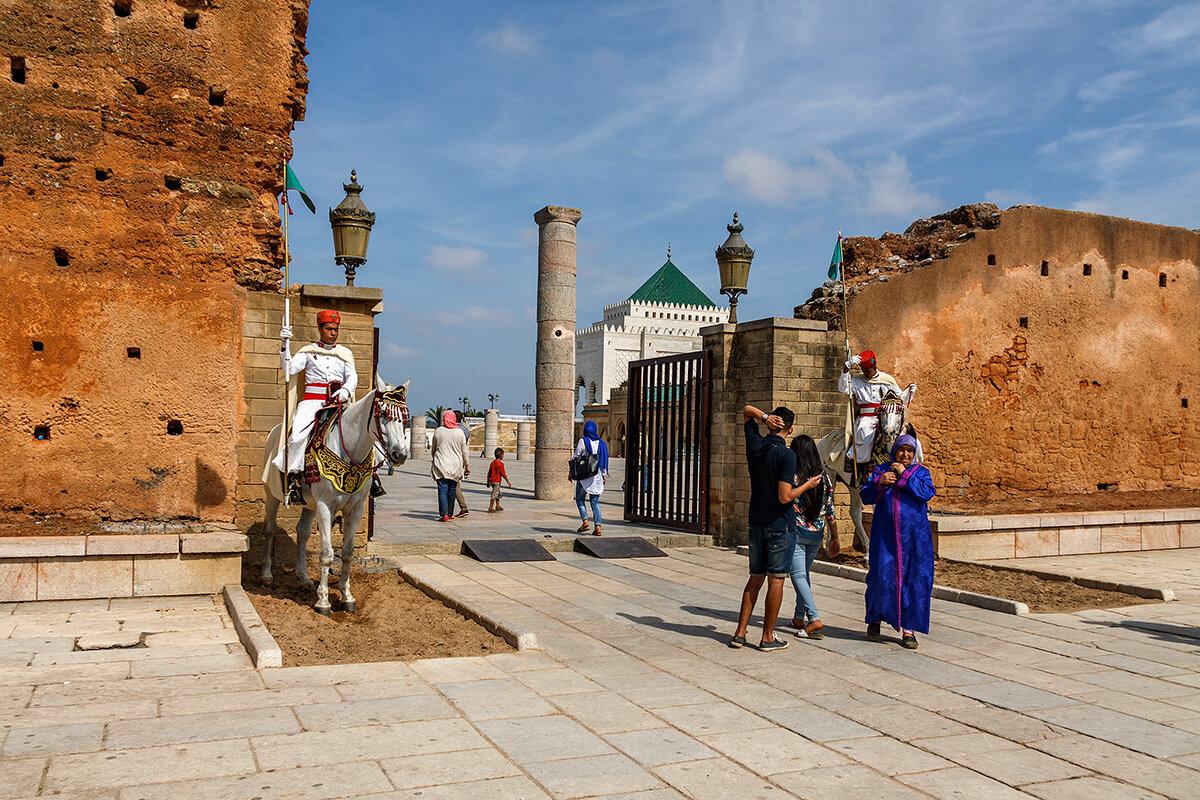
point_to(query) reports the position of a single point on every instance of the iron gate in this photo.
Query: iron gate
(666, 459)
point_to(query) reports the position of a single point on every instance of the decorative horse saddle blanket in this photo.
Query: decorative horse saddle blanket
(320, 461)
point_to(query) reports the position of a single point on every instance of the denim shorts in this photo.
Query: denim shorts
(771, 550)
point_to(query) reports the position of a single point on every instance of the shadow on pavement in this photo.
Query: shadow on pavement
(701, 631)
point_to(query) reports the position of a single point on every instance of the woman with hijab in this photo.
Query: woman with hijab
(590, 489)
(448, 453)
(814, 512)
(900, 574)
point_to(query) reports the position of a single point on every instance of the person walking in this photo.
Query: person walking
(448, 454)
(458, 495)
(496, 473)
(900, 572)
(590, 489)
(772, 537)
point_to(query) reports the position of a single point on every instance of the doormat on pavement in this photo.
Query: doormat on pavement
(505, 550)
(617, 547)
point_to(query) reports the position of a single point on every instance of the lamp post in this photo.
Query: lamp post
(733, 259)
(492, 398)
(527, 407)
(466, 401)
(351, 223)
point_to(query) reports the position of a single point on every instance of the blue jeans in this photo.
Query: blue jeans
(771, 550)
(446, 489)
(806, 552)
(580, 497)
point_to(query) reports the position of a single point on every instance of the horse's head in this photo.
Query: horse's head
(891, 421)
(391, 413)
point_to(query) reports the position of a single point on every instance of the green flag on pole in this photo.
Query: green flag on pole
(835, 264)
(293, 182)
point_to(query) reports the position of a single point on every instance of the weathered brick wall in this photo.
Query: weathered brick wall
(1055, 353)
(140, 154)
(764, 363)
(262, 401)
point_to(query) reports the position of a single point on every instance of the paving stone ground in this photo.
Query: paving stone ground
(634, 695)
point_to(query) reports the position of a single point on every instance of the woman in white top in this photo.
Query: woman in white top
(449, 457)
(590, 489)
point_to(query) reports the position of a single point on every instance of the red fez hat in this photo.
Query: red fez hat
(867, 356)
(328, 316)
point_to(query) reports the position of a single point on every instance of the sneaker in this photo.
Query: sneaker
(873, 632)
(813, 629)
(445, 518)
(737, 642)
(774, 644)
(583, 527)
(908, 642)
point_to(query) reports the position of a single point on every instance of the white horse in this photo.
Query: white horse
(833, 447)
(376, 419)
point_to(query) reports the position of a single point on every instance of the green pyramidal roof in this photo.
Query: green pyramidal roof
(671, 286)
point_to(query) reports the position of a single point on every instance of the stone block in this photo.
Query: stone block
(185, 574)
(40, 546)
(85, 577)
(1074, 541)
(137, 544)
(1119, 538)
(977, 546)
(1189, 534)
(213, 543)
(18, 580)
(943, 524)
(1160, 536)
(1010, 521)
(1103, 518)
(1144, 515)
(1034, 543)
(1059, 520)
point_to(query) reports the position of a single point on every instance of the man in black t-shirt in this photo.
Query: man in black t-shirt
(772, 536)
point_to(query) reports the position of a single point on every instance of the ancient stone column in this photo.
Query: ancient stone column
(523, 440)
(491, 432)
(416, 442)
(555, 370)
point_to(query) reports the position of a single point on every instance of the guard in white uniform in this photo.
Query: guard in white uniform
(867, 391)
(325, 365)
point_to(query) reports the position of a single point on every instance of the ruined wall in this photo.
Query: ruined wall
(1055, 352)
(141, 146)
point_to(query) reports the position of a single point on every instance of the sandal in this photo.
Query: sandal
(813, 629)
(908, 642)
(583, 527)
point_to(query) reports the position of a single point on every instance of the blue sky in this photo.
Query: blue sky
(661, 119)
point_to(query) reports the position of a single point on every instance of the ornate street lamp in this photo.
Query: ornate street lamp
(527, 406)
(466, 401)
(492, 398)
(351, 223)
(733, 259)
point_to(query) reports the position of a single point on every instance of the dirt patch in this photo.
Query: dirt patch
(395, 620)
(1042, 595)
(1092, 501)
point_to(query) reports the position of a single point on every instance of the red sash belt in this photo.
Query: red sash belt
(869, 409)
(312, 395)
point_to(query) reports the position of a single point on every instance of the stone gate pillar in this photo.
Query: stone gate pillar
(523, 440)
(555, 371)
(491, 432)
(416, 442)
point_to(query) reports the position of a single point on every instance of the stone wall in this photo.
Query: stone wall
(263, 385)
(1054, 351)
(765, 363)
(141, 149)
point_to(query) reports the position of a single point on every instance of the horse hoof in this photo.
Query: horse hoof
(350, 607)
(324, 612)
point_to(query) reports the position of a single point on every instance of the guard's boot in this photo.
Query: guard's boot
(377, 489)
(295, 488)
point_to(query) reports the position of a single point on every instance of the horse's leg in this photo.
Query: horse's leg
(324, 523)
(856, 508)
(269, 525)
(303, 531)
(350, 520)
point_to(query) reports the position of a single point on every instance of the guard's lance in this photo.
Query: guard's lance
(846, 331)
(287, 321)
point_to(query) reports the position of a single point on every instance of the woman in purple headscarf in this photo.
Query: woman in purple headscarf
(900, 574)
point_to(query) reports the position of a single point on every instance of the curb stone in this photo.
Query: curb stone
(259, 643)
(1148, 592)
(940, 592)
(510, 632)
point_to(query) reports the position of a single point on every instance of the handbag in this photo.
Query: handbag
(584, 465)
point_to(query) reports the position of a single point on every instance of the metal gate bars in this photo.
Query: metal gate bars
(666, 466)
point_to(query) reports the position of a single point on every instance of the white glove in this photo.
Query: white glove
(285, 333)
(343, 395)
(856, 361)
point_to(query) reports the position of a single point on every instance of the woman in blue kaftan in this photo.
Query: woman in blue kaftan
(900, 574)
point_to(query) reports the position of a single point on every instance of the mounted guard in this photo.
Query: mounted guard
(873, 392)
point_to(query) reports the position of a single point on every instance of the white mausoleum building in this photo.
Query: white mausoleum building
(663, 317)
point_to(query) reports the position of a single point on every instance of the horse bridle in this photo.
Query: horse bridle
(390, 405)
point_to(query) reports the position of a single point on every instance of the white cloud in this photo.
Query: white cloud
(1173, 28)
(887, 186)
(473, 313)
(456, 259)
(1109, 87)
(400, 352)
(510, 41)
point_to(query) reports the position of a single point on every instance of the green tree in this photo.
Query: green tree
(436, 414)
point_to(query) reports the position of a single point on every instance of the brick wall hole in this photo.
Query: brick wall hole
(41, 432)
(122, 8)
(191, 20)
(1087, 269)
(61, 258)
(16, 65)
